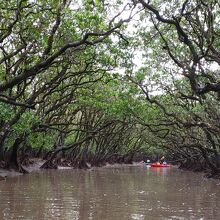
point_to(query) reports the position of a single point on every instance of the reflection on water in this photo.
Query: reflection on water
(110, 193)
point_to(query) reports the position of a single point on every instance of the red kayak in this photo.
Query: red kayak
(159, 165)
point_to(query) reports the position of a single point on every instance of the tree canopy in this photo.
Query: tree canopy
(109, 81)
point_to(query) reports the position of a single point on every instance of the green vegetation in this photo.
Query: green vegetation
(109, 81)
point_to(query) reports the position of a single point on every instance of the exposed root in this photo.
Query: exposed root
(80, 164)
(26, 161)
(49, 165)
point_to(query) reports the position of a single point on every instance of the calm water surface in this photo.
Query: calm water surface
(110, 193)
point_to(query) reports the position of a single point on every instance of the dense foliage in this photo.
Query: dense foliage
(109, 81)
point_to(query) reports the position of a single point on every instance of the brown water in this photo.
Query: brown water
(110, 193)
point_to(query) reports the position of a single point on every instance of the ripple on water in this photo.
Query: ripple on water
(110, 194)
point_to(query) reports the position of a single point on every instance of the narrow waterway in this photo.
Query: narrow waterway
(110, 193)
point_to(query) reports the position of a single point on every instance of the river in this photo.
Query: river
(110, 193)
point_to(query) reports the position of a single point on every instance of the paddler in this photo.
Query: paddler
(162, 160)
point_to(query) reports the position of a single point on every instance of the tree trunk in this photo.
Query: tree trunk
(13, 162)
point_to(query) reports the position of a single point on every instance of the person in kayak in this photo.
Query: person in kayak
(162, 160)
(148, 162)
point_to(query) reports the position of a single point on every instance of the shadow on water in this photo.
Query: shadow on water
(110, 193)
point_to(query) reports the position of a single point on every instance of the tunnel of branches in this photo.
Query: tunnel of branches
(85, 83)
